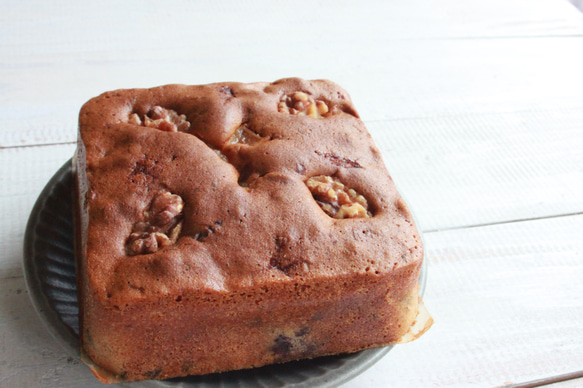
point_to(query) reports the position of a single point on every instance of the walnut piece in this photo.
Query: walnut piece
(163, 119)
(161, 228)
(336, 199)
(302, 104)
(244, 135)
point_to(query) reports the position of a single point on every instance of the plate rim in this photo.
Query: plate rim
(63, 334)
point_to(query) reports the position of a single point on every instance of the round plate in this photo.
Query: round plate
(49, 263)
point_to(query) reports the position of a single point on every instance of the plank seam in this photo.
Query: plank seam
(547, 380)
(502, 222)
(36, 145)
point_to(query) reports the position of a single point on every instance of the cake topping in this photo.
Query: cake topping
(244, 135)
(163, 119)
(302, 104)
(336, 199)
(161, 227)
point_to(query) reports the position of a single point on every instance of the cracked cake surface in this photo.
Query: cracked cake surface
(232, 225)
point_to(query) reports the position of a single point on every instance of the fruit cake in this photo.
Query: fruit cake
(231, 225)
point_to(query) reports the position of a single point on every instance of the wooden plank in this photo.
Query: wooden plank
(405, 79)
(507, 302)
(476, 169)
(508, 305)
(29, 356)
(43, 26)
(577, 383)
(398, 61)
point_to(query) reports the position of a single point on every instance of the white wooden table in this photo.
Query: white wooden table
(476, 105)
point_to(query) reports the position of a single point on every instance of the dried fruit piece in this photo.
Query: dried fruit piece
(161, 118)
(336, 199)
(302, 104)
(161, 228)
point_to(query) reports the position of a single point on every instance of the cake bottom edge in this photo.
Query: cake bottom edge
(291, 345)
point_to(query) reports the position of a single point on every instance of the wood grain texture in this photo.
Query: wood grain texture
(397, 60)
(477, 169)
(30, 357)
(63, 26)
(576, 383)
(563, 379)
(402, 79)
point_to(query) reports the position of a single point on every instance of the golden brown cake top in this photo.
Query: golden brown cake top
(219, 187)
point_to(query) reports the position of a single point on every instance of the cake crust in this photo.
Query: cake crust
(207, 241)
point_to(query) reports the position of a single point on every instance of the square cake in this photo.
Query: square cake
(230, 226)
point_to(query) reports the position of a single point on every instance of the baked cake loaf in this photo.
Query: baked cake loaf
(230, 226)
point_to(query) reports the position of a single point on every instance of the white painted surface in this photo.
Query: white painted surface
(477, 107)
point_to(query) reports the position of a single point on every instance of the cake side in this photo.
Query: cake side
(219, 204)
(216, 333)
